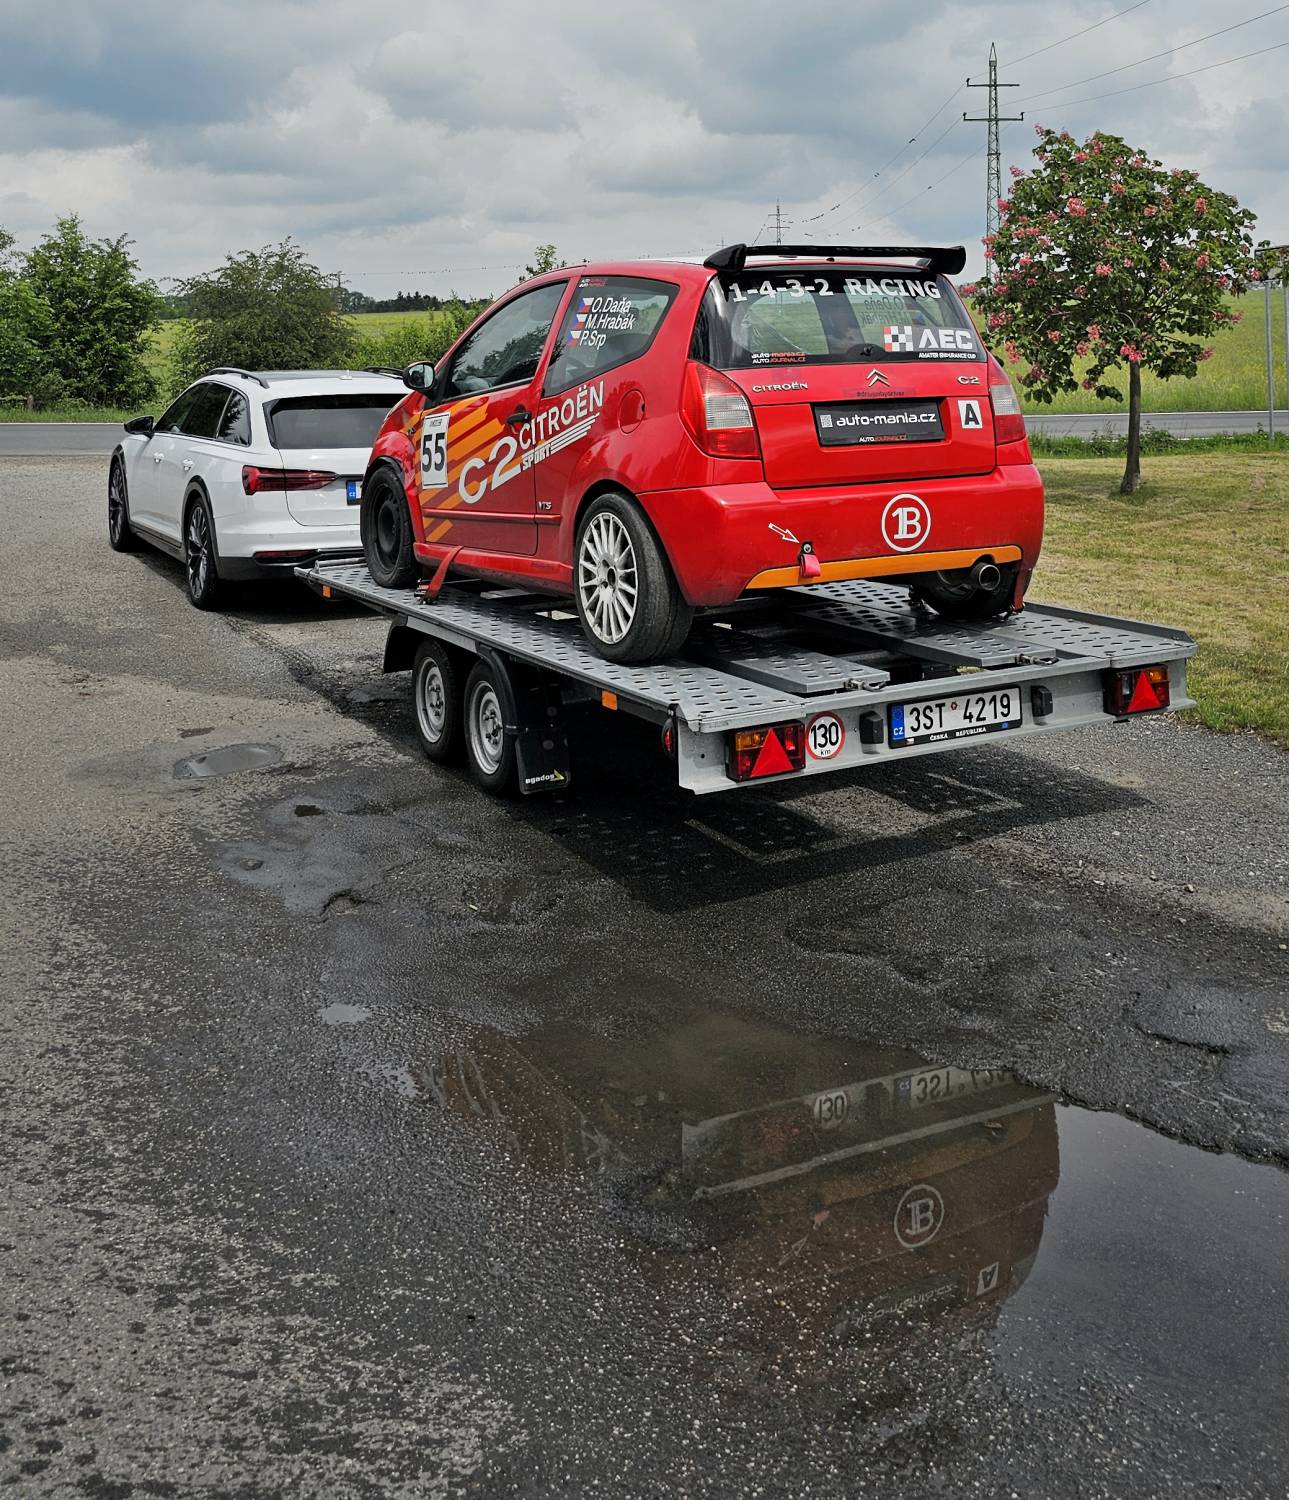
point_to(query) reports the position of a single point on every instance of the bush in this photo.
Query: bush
(427, 337)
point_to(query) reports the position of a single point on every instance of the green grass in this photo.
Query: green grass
(1154, 442)
(1203, 545)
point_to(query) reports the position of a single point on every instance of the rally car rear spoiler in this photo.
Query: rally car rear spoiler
(944, 260)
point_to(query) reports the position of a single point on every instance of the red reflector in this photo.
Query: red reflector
(1139, 691)
(772, 751)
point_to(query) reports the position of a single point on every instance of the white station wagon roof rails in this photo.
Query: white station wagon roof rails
(943, 260)
(237, 370)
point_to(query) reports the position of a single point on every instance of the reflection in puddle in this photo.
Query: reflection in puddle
(832, 1195)
(343, 1015)
(227, 760)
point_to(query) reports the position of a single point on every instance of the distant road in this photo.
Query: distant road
(1183, 423)
(58, 439)
(92, 439)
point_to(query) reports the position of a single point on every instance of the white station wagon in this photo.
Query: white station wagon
(249, 472)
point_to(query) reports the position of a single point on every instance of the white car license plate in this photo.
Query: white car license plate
(353, 491)
(955, 718)
(939, 1085)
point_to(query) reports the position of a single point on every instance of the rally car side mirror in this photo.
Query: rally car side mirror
(419, 377)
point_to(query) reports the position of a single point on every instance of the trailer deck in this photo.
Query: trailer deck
(858, 652)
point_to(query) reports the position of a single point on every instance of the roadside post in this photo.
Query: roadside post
(1271, 368)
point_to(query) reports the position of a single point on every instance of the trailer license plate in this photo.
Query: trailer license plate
(956, 718)
(937, 1085)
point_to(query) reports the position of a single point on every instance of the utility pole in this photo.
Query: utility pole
(993, 155)
(778, 223)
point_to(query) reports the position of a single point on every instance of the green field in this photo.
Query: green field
(1203, 545)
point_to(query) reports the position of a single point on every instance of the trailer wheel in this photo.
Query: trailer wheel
(436, 699)
(489, 750)
(627, 598)
(386, 530)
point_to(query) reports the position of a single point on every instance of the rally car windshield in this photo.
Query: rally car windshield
(828, 314)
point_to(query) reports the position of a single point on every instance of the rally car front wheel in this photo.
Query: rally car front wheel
(386, 529)
(626, 596)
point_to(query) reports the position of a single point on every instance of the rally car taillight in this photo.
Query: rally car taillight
(717, 414)
(1009, 421)
(254, 479)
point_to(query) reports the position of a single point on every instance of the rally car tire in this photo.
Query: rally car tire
(955, 596)
(201, 556)
(436, 698)
(625, 593)
(386, 530)
(121, 536)
(489, 750)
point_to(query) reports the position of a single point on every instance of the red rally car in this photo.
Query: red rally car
(659, 437)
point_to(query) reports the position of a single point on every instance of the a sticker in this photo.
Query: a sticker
(987, 1280)
(969, 416)
(919, 1216)
(830, 1109)
(906, 522)
(434, 451)
(785, 533)
(597, 318)
(825, 735)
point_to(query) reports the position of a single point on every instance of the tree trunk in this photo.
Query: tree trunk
(1132, 469)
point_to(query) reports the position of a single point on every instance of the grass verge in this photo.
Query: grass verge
(1203, 545)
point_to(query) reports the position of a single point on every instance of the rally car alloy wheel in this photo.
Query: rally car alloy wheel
(435, 695)
(200, 561)
(386, 528)
(490, 751)
(625, 594)
(120, 534)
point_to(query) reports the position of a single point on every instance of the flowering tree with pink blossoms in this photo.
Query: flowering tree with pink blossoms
(1105, 257)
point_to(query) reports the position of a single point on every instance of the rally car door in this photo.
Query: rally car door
(476, 491)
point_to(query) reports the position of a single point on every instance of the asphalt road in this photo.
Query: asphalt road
(84, 439)
(363, 1136)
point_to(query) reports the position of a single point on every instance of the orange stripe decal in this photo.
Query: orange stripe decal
(895, 565)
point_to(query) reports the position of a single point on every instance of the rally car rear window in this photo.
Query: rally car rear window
(328, 421)
(817, 315)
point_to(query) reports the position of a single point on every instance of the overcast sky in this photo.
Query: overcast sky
(431, 146)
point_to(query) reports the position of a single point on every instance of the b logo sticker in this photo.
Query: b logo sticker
(906, 523)
(969, 418)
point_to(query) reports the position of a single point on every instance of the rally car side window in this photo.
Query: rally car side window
(610, 320)
(507, 349)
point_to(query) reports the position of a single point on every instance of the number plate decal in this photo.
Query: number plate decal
(353, 491)
(933, 720)
(825, 735)
(434, 451)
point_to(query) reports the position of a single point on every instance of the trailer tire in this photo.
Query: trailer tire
(616, 543)
(955, 597)
(436, 700)
(489, 750)
(385, 526)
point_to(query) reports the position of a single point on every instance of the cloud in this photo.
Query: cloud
(434, 146)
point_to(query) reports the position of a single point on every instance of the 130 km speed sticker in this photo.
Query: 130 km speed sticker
(825, 735)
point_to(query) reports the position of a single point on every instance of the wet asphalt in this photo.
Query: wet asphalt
(363, 1136)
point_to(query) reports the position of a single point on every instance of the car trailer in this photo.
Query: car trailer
(790, 683)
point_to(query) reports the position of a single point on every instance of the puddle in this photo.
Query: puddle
(227, 761)
(874, 1229)
(343, 1015)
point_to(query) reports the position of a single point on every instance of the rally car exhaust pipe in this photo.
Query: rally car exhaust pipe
(986, 575)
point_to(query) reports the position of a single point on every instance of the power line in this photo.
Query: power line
(1014, 62)
(993, 152)
(1154, 56)
(1172, 78)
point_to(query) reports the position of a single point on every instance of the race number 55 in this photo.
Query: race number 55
(434, 451)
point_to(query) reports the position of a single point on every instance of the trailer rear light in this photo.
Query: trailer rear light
(771, 751)
(255, 480)
(1009, 421)
(717, 414)
(1139, 690)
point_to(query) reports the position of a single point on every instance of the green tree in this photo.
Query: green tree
(544, 259)
(267, 309)
(1106, 257)
(100, 313)
(24, 331)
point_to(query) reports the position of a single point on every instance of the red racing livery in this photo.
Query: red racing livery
(656, 437)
